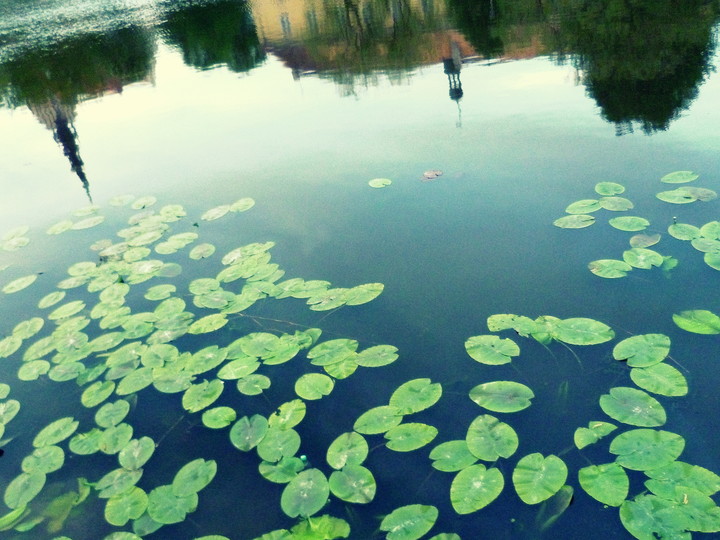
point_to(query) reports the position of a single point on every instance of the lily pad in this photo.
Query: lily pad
(379, 182)
(609, 189)
(593, 433)
(253, 385)
(55, 432)
(646, 449)
(677, 196)
(45, 460)
(112, 414)
(167, 508)
(683, 231)
(649, 517)
(475, 487)
(629, 223)
(644, 240)
(574, 221)
(489, 439)
(616, 204)
(278, 443)
(582, 331)
(660, 379)
(679, 177)
(207, 324)
(136, 453)
(609, 268)
(633, 406)
(409, 522)
(698, 321)
(410, 436)
(193, 477)
(378, 420)
(247, 432)
(283, 471)
(202, 395)
(19, 284)
(218, 417)
(242, 205)
(502, 396)
(215, 213)
(537, 478)
(377, 356)
(608, 483)
(415, 396)
(643, 350)
(313, 386)
(664, 480)
(452, 456)
(23, 489)
(306, 494)
(347, 449)
(491, 350)
(362, 294)
(354, 484)
(125, 506)
(584, 206)
(288, 415)
(201, 251)
(642, 258)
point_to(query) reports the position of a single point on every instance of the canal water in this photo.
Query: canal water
(264, 123)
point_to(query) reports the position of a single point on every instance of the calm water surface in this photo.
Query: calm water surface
(524, 107)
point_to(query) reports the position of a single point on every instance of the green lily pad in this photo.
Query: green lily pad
(537, 478)
(167, 508)
(452, 456)
(19, 284)
(313, 386)
(415, 396)
(409, 437)
(584, 206)
(644, 240)
(491, 350)
(247, 432)
(698, 321)
(160, 292)
(354, 484)
(305, 494)
(679, 177)
(193, 477)
(379, 182)
(347, 449)
(67, 310)
(283, 471)
(629, 223)
(475, 487)
(96, 393)
(377, 356)
(489, 439)
(45, 460)
(609, 268)
(660, 379)
(683, 231)
(502, 396)
(23, 489)
(51, 299)
(574, 221)
(616, 204)
(643, 350)
(136, 453)
(30, 371)
(86, 443)
(409, 522)
(593, 433)
(219, 417)
(28, 328)
(362, 294)
(253, 385)
(582, 331)
(9, 345)
(608, 483)
(677, 196)
(378, 420)
(633, 406)
(278, 443)
(60, 227)
(646, 449)
(201, 251)
(712, 260)
(649, 517)
(55, 432)
(642, 258)
(242, 205)
(115, 438)
(215, 213)
(125, 506)
(202, 395)
(111, 414)
(664, 480)
(8, 410)
(609, 189)
(207, 324)
(135, 381)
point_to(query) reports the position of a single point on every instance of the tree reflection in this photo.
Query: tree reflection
(212, 34)
(643, 60)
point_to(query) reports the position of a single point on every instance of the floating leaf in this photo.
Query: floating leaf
(283, 471)
(86, 443)
(354, 484)
(609, 189)
(633, 406)
(242, 205)
(409, 437)
(253, 385)
(218, 417)
(660, 379)
(609, 268)
(584, 206)
(650, 517)
(491, 350)
(629, 223)
(606, 483)
(698, 321)
(679, 177)
(87, 223)
(45, 460)
(378, 420)
(96, 393)
(306, 494)
(677, 196)
(160, 292)
(288, 414)
(9, 345)
(616, 204)
(23, 489)
(115, 438)
(582, 331)
(19, 284)
(475, 487)
(136, 453)
(644, 240)
(313, 386)
(664, 480)
(51, 299)
(193, 477)
(56, 431)
(348, 449)
(537, 478)
(502, 396)
(683, 231)
(642, 258)
(377, 356)
(60, 227)
(247, 432)
(167, 508)
(646, 449)
(143, 202)
(125, 506)
(216, 213)
(201, 251)
(379, 182)
(642, 350)
(712, 260)
(209, 323)
(574, 221)
(415, 396)
(409, 522)
(489, 439)
(202, 395)
(362, 294)
(593, 433)
(112, 414)
(452, 456)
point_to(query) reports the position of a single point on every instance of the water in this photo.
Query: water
(298, 105)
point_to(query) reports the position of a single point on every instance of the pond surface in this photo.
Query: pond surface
(522, 108)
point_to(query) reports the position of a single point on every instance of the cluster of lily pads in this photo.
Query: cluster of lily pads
(676, 499)
(705, 238)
